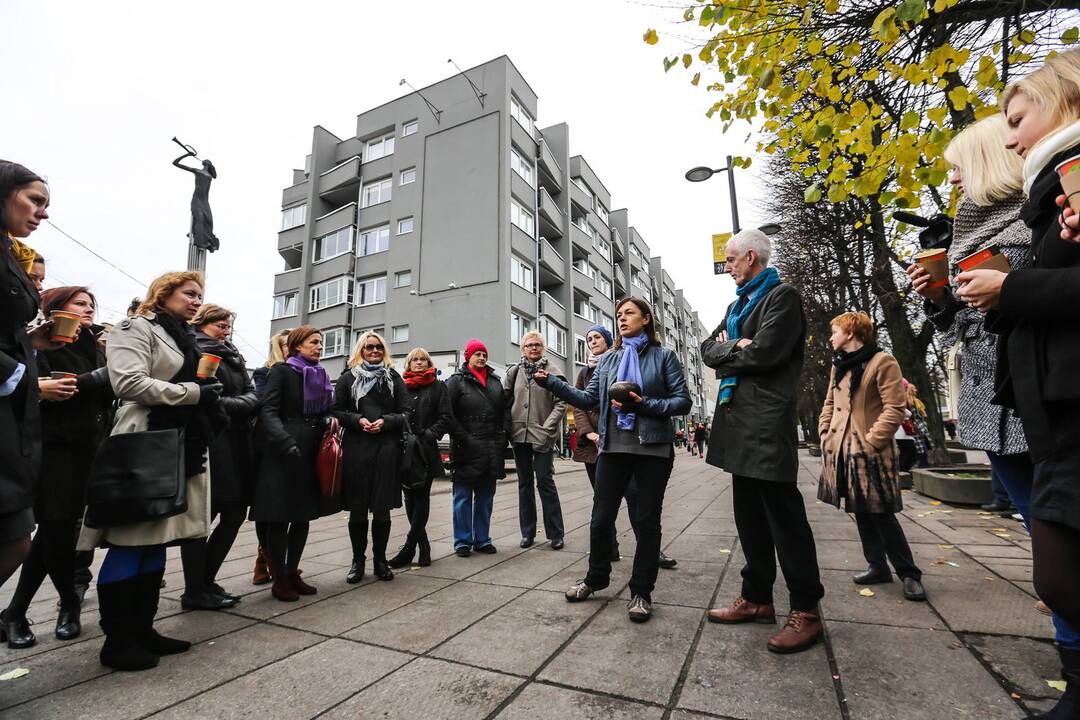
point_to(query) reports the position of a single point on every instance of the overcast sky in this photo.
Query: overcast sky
(94, 91)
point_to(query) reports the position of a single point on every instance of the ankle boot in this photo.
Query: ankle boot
(119, 621)
(16, 631)
(405, 555)
(68, 622)
(148, 594)
(1068, 706)
(380, 536)
(261, 576)
(425, 551)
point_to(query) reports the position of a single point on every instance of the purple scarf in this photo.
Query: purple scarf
(318, 392)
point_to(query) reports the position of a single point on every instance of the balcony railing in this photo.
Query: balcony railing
(551, 307)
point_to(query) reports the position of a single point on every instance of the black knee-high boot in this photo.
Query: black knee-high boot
(120, 621)
(148, 593)
(358, 527)
(380, 536)
(1068, 706)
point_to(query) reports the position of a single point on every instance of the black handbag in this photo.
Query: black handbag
(137, 477)
(413, 469)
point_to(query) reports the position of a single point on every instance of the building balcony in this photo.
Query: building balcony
(294, 194)
(335, 220)
(552, 308)
(287, 281)
(581, 241)
(620, 279)
(291, 238)
(552, 265)
(341, 176)
(580, 198)
(552, 218)
(551, 173)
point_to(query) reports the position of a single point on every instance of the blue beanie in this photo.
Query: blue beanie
(603, 331)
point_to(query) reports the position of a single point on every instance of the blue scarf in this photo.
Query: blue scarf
(750, 295)
(630, 371)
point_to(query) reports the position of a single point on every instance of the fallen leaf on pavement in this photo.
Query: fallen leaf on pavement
(1058, 685)
(866, 592)
(950, 563)
(1015, 696)
(724, 552)
(935, 502)
(947, 547)
(15, 674)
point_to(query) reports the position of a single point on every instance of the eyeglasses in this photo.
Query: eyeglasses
(534, 345)
(373, 348)
(223, 326)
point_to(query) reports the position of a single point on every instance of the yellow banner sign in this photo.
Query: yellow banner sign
(719, 252)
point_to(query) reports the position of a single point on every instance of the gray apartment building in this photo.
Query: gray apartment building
(452, 214)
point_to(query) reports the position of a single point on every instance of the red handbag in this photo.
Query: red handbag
(328, 461)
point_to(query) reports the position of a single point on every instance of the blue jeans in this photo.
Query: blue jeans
(1016, 473)
(472, 515)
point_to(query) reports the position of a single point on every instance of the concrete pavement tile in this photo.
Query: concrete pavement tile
(997, 551)
(887, 606)
(731, 586)
(712, 526)
(261, 605)
(528, 569)
(974, 604)
(703, 548)
(914, 674)
(539, 623)
(1010, 570)
(301, 685)
(178, 677)
(450, 692)
(609, 654)
(422, 625)
(848, 555)
(1026, 664)
(458, 568)
(836, 529)
(368, 601)
(620, 572)
(733, 674)
(691, 583)
(545, 701)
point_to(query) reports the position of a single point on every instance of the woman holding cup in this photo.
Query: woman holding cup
(72, 429)
(1036, 310)
(276, 355)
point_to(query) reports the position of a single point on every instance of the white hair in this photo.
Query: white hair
(752, 239)
(533, 334)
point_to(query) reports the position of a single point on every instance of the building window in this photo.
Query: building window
(554, 336)
(583, 267)
(376, 192)
(521, 217)
(581, 350)
(408, 176)
(359, 332)
(581, 223)
(521, 274)
(333, 342)
(519, 325)
(373, 241)
(602, 212)
(378, 148)
(585, 189)
(519, 113)
(404, 226)
(293, 217)
(285, 305)
(602, 245)
(403, 278)
(584, 309)
(330, 293)
(410, 128)
(635, 252)
(336, 243)
(602, 284)
(607, 321)
(399, 333)
(521, 166)
(371, 291)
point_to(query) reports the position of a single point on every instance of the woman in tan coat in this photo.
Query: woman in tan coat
(863, 408)
(152, 360)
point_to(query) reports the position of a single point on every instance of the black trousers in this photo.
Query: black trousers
(418, 509)
(771, 520)
(614, 472)
(882, 537)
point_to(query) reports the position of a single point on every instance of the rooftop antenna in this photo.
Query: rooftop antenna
(434, 110)
(476, 91)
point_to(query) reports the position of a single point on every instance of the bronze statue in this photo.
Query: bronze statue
(202, 220)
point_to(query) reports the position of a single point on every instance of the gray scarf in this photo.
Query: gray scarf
(977, 226)
(367, 377)
(532, 367)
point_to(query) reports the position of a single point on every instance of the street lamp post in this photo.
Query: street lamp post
(703, 173)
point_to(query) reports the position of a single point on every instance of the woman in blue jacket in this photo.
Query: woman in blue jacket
(636, 443)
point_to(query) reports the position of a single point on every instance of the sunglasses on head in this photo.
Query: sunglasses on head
(373, 348)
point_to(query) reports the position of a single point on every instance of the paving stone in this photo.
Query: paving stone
(703, 548)
(1025, 664)
(301, 685)
(528, 569)
(914, 674)
(420, 626)
(620, 573)
(458, 568)
(733, 674)
(450, 692)
(975, 604)
(545, 701)
(178, 677)
(261, 605)
(539, 623)
(610, 654)
(887, 606)
(690, 583)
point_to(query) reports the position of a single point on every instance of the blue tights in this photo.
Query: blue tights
(124, 563)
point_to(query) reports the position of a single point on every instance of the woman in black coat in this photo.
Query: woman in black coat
(24, 200)
(478, 441)
(429, 415)
(287, 497)
(369, 401)
(231, 465)
(72, 430)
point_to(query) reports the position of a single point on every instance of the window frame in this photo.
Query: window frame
(522, 212)
(344, 345)
(519, 325)
(360, 240)
(412, 225)
(518, 266)
(399, 274)
(522, 163)
(382, 141)
(345, 280)
(394, 330)
(414, 124)
(315, 245)
(401, 176)
(286, 211)
(295, 294)
(364, 281)
(386, 183)
(517, 108)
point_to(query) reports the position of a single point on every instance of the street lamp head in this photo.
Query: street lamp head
(699, 174)
(769, 228)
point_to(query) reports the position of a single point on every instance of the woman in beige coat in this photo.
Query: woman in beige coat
(863, 408)
(152, 361)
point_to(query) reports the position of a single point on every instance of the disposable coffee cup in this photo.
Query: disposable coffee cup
(65, 325)
(936, 262)
(62, 375)
(208, 365)
(1069, 174)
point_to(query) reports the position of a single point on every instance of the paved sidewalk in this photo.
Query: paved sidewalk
(492, 636)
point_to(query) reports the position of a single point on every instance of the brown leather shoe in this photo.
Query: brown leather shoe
(261, 576)
(743, 611)
(801, 631)
(302, 587)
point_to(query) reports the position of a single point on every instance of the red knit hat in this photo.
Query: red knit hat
(473, 346)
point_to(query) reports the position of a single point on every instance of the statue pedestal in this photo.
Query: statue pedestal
(196, 258)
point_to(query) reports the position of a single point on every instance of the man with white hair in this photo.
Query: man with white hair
(758, 355)
(535, 417)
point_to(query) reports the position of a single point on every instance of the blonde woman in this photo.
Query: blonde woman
(275, 355)
(369, 401)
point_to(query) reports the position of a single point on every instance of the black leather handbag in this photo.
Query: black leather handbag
(137, 477)
(413, 469)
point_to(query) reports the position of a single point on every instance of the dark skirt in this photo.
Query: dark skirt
(16, 525)
(1055, 492)
(287, 488)
(61, 490)
(369, 481)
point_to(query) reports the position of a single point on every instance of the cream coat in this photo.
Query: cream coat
(142, 358)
